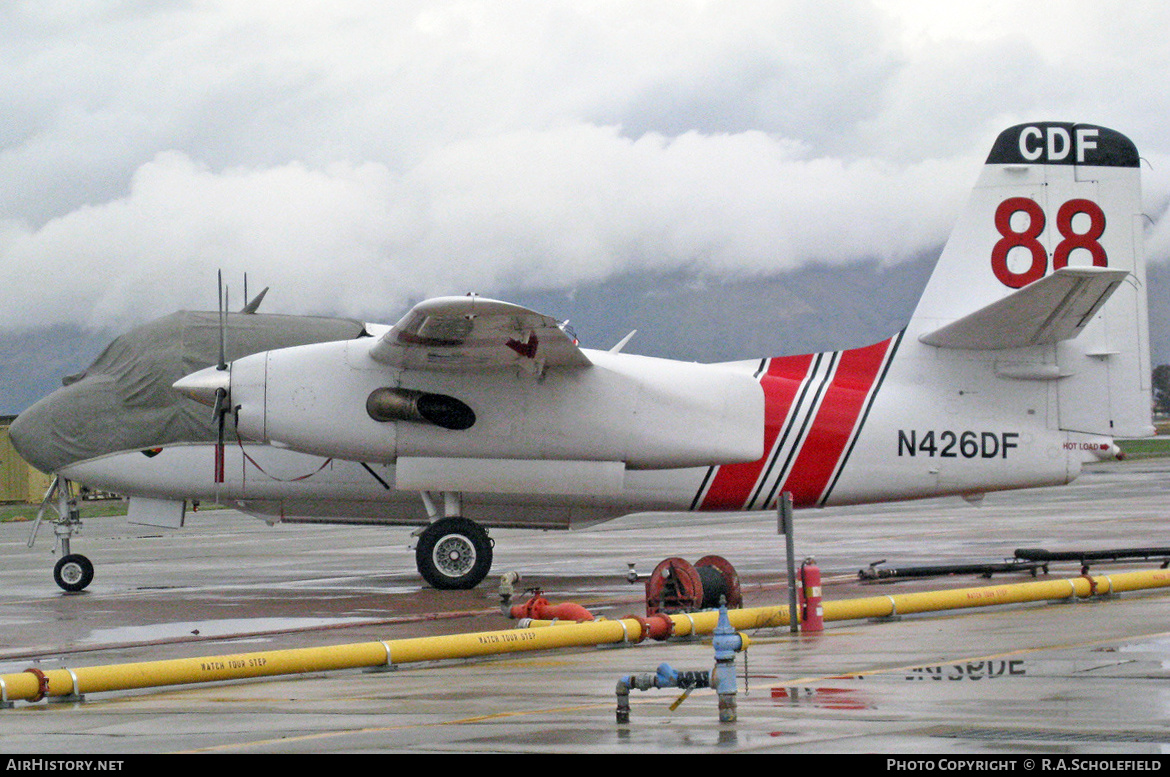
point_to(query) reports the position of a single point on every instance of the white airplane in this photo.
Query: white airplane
(1026, 356)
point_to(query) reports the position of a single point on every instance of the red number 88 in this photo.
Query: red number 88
(1026, 238)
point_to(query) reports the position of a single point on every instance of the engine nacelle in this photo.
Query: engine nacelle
(332, 399)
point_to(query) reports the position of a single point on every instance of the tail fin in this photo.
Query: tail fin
(1052, 196)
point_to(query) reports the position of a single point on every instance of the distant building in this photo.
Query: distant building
(19, 480)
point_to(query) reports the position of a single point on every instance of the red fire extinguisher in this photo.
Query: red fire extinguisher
(814, 614)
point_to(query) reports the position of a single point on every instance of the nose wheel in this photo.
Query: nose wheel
(73, 572)
(454, 554)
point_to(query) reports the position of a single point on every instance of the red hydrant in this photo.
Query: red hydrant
(539, 608)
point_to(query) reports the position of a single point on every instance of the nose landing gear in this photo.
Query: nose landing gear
(73, 571)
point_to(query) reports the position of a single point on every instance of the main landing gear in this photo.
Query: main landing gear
(453, 553)
(73, 571)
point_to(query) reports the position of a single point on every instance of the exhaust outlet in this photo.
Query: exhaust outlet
(398, 404)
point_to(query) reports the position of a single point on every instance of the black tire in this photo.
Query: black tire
(73, 572)
(454, 554)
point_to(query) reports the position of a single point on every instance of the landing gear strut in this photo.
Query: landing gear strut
(454, 554)
(73, 571)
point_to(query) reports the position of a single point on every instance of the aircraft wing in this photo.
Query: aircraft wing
(1049, 310)
(474, 333)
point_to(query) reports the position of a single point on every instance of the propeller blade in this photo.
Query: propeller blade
(222, 400)
(252, 306)
(222, 363)
(221, 411)
(218, 409)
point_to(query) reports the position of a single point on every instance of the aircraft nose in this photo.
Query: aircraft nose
(77, 422)
(30, 434)
(202, 386)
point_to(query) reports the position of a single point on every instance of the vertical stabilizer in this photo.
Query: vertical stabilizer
(1054, 195)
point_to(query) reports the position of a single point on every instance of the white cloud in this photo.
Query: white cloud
(534, 209)
(360, 155)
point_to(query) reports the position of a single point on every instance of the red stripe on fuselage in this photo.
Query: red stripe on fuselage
(732, 485)
(834, 423)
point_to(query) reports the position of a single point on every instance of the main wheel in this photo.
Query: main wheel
(73, 572)
(454, 554)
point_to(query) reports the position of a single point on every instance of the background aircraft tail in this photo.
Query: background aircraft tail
(1051, 196)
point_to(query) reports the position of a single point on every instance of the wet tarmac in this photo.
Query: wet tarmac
(1088, 677)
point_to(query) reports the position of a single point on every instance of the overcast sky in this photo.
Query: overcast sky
(358, 156)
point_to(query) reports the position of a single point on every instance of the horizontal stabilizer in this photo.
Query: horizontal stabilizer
(1050, 310)
(474, 333)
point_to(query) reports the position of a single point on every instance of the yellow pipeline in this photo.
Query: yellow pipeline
(987, 596)
(928, 601)
(96, 679)
(181, 671)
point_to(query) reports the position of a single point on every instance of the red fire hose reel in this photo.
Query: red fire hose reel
(677, 586)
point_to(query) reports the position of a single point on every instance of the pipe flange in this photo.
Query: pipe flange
(644, 626)
(667, 630)
(42, 683)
